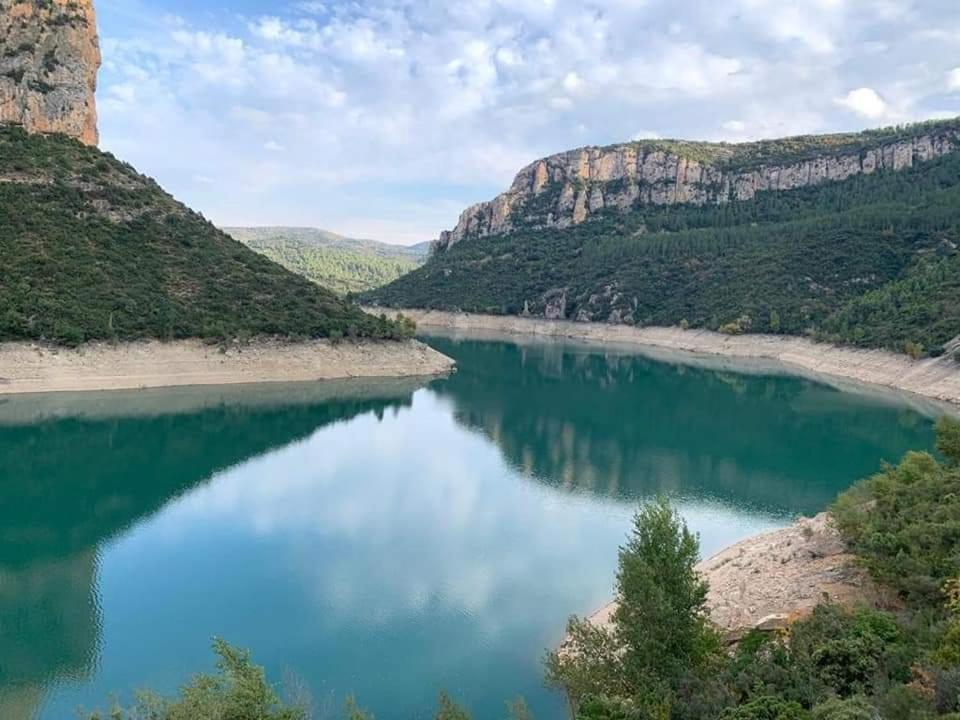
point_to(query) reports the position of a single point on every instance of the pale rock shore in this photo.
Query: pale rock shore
(34, 368)
(769, 581)
(937, 379)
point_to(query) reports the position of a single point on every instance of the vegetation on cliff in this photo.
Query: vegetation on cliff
(871, 261)
(341, 264)
(838, 664)
(94, 251)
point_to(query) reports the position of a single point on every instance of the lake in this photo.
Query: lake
(384, 539)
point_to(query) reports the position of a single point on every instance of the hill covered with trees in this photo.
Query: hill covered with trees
(92, 250)
(344, 265)
(871, 260)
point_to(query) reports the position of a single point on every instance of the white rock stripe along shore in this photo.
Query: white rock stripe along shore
(33, 368)
(937, 379)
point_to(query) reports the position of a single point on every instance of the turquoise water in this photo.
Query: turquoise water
(382, 540)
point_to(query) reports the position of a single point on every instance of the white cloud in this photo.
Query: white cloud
(273, 146)
(394, 111)
(953, 79)
(865, 102)
(572, 82)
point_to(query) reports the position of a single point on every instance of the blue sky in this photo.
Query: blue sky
(386, 118)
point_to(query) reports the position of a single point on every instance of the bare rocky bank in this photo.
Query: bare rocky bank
(769, 581)
(34, 368)
(937, 379)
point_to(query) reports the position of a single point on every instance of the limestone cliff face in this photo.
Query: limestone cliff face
(49, 58)
(567, 189)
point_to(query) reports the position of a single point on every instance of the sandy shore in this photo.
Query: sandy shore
(938, 379)
(31, 368)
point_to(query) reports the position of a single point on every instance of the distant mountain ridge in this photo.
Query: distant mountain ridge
(851, 239)
(345, 265)
(266, 235)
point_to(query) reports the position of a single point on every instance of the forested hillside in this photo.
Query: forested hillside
(342, 264)
(93, 250)
(871, 261)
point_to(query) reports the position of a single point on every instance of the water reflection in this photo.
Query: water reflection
(384, 543)
(78, 470)
(627, 426)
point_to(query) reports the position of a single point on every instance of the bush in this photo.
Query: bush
(239, 691)
(855, 708)
(603, 707)
(903, 703)
(913, 349)
(767, 708)
(905, 523)
(850, 653)
(948, 438)
(449, 710)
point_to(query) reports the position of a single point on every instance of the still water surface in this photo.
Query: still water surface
(382, 540)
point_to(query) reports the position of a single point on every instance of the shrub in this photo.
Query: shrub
(239, 691)
(767, 708)
(855, 708)
(603, 707)
(449, 710)
(948, 438)
(904, 523)
(902, 703)
(913, 349)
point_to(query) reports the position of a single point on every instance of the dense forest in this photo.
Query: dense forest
(94, 251)
(870, 261)
(341, 264)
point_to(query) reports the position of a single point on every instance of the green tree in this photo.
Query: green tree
(661, 637)
(855, 708)
(767, 708)
(661, 620)
(238, 691)
(449, 710)
(948, 438)
(355, 712)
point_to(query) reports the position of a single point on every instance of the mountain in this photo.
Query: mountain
(345, 265)
(92, 249)
(847, 238)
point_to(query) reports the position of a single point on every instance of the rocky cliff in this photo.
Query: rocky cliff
(49, 58)
(567, 189)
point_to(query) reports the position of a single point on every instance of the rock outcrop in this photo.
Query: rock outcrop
(771, 580)
(49, 58)
(567, 189)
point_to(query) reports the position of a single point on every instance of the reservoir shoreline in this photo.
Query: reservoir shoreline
(937, 379)
(36, 368)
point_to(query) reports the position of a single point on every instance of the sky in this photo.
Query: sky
(385, 119)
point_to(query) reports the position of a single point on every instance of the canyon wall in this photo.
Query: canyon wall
(568, 188)
(49, 58)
